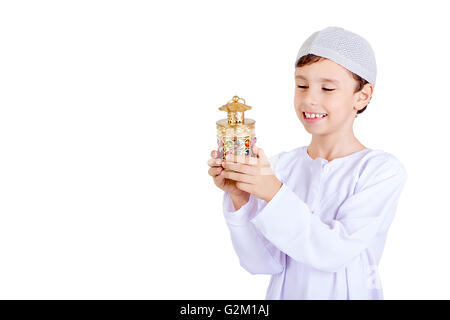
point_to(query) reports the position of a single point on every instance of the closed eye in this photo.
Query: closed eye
(326, 89)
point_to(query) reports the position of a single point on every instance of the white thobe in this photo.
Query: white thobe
(322, 234)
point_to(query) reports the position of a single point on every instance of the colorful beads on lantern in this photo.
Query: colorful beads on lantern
(236, 146)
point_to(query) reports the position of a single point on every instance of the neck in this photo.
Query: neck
(335, 145)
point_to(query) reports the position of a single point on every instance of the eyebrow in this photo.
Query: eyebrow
(320, 79)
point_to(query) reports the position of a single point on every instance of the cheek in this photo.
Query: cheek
(297, 108)
(297, 100)
(336, 105)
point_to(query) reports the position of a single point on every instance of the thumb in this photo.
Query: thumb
(261, 155)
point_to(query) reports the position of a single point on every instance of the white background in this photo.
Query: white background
(107, 120)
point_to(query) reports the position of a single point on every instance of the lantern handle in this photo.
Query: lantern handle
(236, 99)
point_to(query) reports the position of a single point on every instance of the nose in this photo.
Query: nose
(309, 98)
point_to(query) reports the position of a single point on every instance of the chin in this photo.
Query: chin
(314, 131)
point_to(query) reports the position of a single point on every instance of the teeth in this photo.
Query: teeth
(314, 115)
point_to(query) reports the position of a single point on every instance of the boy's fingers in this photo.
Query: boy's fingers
(214, 153)
(214, 171)
(262, 156)
(218, 178)
(242, 168)
(214, 162)
(241, 159)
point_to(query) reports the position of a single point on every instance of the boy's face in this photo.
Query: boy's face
(312, 94)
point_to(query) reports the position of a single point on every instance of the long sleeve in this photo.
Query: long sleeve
(256, 254)
(287, 222)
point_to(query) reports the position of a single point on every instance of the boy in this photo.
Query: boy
(316, 218)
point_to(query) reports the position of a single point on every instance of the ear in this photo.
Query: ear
(363, 97)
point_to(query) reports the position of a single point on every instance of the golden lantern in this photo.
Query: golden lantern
(236, 134)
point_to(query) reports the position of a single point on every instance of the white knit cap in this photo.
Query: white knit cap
(346, 48)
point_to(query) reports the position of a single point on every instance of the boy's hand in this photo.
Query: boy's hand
(226, 185)
(253, 175)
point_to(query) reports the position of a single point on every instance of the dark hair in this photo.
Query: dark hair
(311, 58)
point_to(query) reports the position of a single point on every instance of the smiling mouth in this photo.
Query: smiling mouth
(313, 119)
